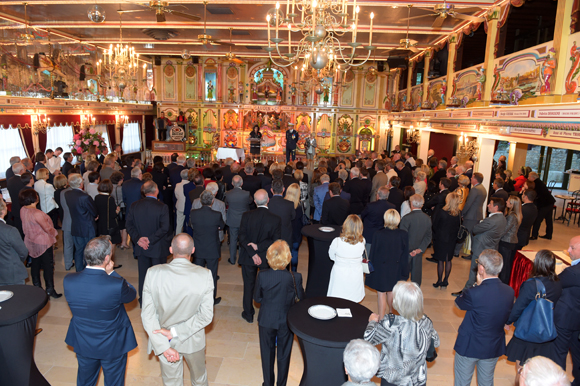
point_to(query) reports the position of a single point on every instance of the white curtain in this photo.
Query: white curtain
(131, 138)
(59, 136)
(103, 130)
(11, 146)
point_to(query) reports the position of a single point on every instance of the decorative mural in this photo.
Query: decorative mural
(348, 88)
(436, 93)
(192, 123)
(573, 65)
(466, 85)
(190, 81)
(370, 88)
(303, 127)
(267, 84)
(209, 121)
(416, 95)
(169, 81)
(324, 134)
(344, 134)
(232, 78)
(230, 120)
(365, 138)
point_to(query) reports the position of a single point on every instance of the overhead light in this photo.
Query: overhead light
(96, 14)
(149, 45)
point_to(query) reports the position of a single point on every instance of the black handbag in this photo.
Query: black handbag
(123, 212)
(431, 352)
(463, 232)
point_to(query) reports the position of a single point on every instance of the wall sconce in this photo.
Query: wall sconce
(87, 121)
(40, 123)
(121, 120)
(413, 135)
(467, 148)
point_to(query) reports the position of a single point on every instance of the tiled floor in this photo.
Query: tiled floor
(233, 355)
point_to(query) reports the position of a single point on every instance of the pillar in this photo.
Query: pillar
(396, 136)
(517, 157)
(426, 76)
(452, 54)
(409, 80)
(561, 34)
(492, 31)
(396, 87)
(423, 146)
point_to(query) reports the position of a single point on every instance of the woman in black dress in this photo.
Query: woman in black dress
(159, 177)
(60, 184)
(390, 258)
(107, 210)
(544, 269)
(446, 224)
(255, 146)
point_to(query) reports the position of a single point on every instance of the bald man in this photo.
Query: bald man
(174, 316)
(567, 313)
(259, 228)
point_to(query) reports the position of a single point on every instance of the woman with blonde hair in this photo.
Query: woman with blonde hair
(346, 276)
(445, 227)
(420, 185)
(276, 289)
(390, 258)
(462, 190)
(509, 241)
(45, 192)
(293, 195)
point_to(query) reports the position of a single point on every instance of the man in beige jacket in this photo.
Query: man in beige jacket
(177, 306)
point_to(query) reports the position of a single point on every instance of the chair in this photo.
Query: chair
(573, 207)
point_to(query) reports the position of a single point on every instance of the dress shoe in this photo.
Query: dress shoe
(231, 262)
(533, 238)
(117, 266)
(217, 301)
(217, 277)
(456, 294)
(437, 285)
(52, 293)
(249, 319)
(431, 259)
(546, 237)
(444, 284)
(37, 331)
(466, 257)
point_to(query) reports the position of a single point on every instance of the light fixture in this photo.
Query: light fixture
(468, 149)
(87, 120)
(322, 23)
(413, 135)
(40, 124)
(96, 14)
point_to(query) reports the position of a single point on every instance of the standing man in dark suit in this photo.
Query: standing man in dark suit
(10, 171)
(83, 213)
(68, 157)
(132, 189)
(100, 331)
(172, 165)
(259, 228)
(529, 214)
(468, 169)
(438, 201)
(13, 252)
(372, 215)
(68, 245)
(405, 174)
(238, 202)
(567, 313)
(440, 173)
(336, 209)
(498, 187)
(545, 204)
(282, 208)
(360, 191)
(228, 174)
(266, 180)
(418, 225)
(175, 173)
(291, 142)
(473, 208)
(149, 228)
(481, 338)
(15, 185)
(396, 196)
(251, 182)
(486, 235)
(452, 175)
(206, 224)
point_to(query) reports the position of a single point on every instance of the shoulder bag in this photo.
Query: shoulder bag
(536, 323)
(366, 263)
(296, 298)
(463, 232)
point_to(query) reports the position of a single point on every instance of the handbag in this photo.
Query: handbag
(463, 232)
(305, 219)
(366, 264)
(123, 212)
(536, 323)
(431, 352)
(296, 298)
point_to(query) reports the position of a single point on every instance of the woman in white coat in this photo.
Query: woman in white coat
(346, 277)
(45, 192)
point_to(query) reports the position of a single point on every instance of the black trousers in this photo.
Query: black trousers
(249, 274)
(269, 339)
(544, 213)
(46, 263)
(144, 263)
(567, 340)
(162, 134)
(508, 252)
(212, 265)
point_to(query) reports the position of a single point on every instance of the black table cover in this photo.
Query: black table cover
(17, 326)
(323, 341)
(319, 264)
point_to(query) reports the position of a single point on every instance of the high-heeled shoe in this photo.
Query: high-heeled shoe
(444, 284)
(437, 285)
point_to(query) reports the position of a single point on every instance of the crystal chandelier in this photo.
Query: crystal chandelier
(322, 23)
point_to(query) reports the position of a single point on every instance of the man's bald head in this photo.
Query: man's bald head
(182, 246)
(574, 248)
(261, 197)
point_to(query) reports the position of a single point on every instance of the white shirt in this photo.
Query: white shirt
(392, 173)
(45, 195)
(180, 195)
(53, 164)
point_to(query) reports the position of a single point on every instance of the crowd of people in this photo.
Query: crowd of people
(390, 209)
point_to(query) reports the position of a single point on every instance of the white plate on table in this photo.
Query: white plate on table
(326, 229)
(322, 312)
(5, 295)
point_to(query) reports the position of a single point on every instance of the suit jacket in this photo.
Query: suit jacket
(261, 227)
(175, 175)
(149, 218)
(487, 234)
(438, 175)
(228, 176)
(567, 309)
(360, 191)
(131, 193)
(544, 198)
(275, 291)
(195, 193)
(238, 202)
(481, 333)
(15, 185)
(343, 194)
(437, 201)
(13, 252)
(218, 206)
(418, 225)
(100, 327)
(9, 173)
(406, 176)
(500, 193)
(334, 211)
(66, 168)
(83, 212)
(206, 224)
(473, 208)
(396, 197)
(454, 184)
(529, 214)
(106, 173)
(40, 165)
(265, 180)
(379, 180)
(291, 139)
(319, 193)
(252, 184)
(285, 210)
(372, 217)
(66, 218)
(178, 295)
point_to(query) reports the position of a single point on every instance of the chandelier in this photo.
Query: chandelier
(322, 23)
(468, 149)
(413, 135)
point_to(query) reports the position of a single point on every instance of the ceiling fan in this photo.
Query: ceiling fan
(161, 8)
(406, 44)
(231, 56)
(206, 39)
(442, 11)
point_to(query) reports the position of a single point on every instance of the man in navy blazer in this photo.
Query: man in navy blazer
(100, 331)
(567, 314)
(83, 213)
(132, 189)
(481, 337)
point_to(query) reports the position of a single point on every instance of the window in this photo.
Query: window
(103, 130)
(11, 147)
(503, 148)
(131, 138)
(59, 136)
